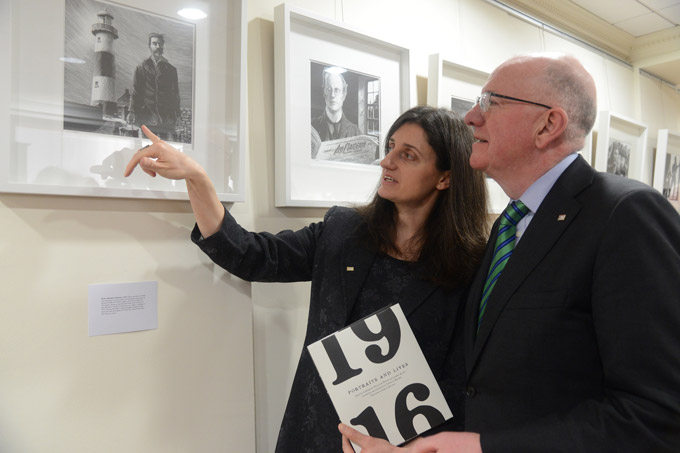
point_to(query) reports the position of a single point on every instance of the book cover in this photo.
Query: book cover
(378, 378)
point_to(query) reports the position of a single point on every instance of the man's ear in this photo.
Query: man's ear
(445, 181)
(551, 127)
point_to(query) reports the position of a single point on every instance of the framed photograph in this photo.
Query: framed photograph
(72, 116)
(337, 92)
(667, 166)
(621, 146)
(461, 106)
(452, 84)
(456, 86)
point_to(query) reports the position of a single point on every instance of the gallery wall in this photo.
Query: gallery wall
(187, 385)
(215, 374)
(471, 32)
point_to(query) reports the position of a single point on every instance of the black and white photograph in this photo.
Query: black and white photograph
(671, 180)
(345, 115)
(618, 157)
(461, 106)
(124, 68)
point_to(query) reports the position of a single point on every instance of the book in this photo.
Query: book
(378, 379)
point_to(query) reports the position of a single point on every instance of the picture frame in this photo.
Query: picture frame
(346, 78)
(667, 166)
(587, 151)
(454, 85)
(621, 146)
(43, 153)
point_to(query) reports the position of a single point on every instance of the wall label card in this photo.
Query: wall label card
(122, 307)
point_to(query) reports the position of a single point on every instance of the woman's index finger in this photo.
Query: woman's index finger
(153, 137)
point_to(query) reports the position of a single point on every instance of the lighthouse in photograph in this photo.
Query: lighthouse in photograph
(104, 77)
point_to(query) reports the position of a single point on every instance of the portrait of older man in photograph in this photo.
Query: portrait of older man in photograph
(332, 123)
(344, 115)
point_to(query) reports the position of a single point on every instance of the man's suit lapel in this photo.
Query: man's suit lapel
(554, 216)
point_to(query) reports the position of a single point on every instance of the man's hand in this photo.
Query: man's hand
(446, 442)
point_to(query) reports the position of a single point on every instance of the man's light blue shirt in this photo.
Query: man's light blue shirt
(535, 194)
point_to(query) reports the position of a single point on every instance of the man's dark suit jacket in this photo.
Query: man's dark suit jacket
(342, 129)
(334, 255)
(579, 348)
(155, 95)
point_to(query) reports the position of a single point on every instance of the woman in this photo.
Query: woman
(417, 243)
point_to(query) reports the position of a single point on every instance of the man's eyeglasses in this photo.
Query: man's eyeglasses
(333, 91)
(484, 100)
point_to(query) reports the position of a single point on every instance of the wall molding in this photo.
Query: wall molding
(576, 21)
(645, 52)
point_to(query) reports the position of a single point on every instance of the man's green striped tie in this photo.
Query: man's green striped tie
(505, 243)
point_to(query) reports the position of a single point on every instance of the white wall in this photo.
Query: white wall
(215, 375)
(472, 31)
(187, 386)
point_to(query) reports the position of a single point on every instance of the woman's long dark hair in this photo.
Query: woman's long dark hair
(455, 233)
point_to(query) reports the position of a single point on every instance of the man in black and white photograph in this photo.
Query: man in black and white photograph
(345, 115)
(333, 123)
(125, 67)
(618, 158)
(155, 92)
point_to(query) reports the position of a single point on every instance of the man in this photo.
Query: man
(332, 123)
(155, 92)
(575, 348)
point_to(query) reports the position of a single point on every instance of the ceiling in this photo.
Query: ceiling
(635, 17)
(644, 33)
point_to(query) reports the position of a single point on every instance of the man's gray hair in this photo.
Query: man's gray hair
(327, 74)
(572, 92)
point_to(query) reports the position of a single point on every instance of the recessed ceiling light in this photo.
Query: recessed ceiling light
(192, 13)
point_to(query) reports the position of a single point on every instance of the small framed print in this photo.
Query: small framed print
(337, 92)
(621, 146)
(461, 106)
(456, 86)
(452, 84)
(667, 166)
(79, 77)
(587, 151)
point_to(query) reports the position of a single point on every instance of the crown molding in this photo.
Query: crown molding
(657, 45)
(570, 18)
(658, 53)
